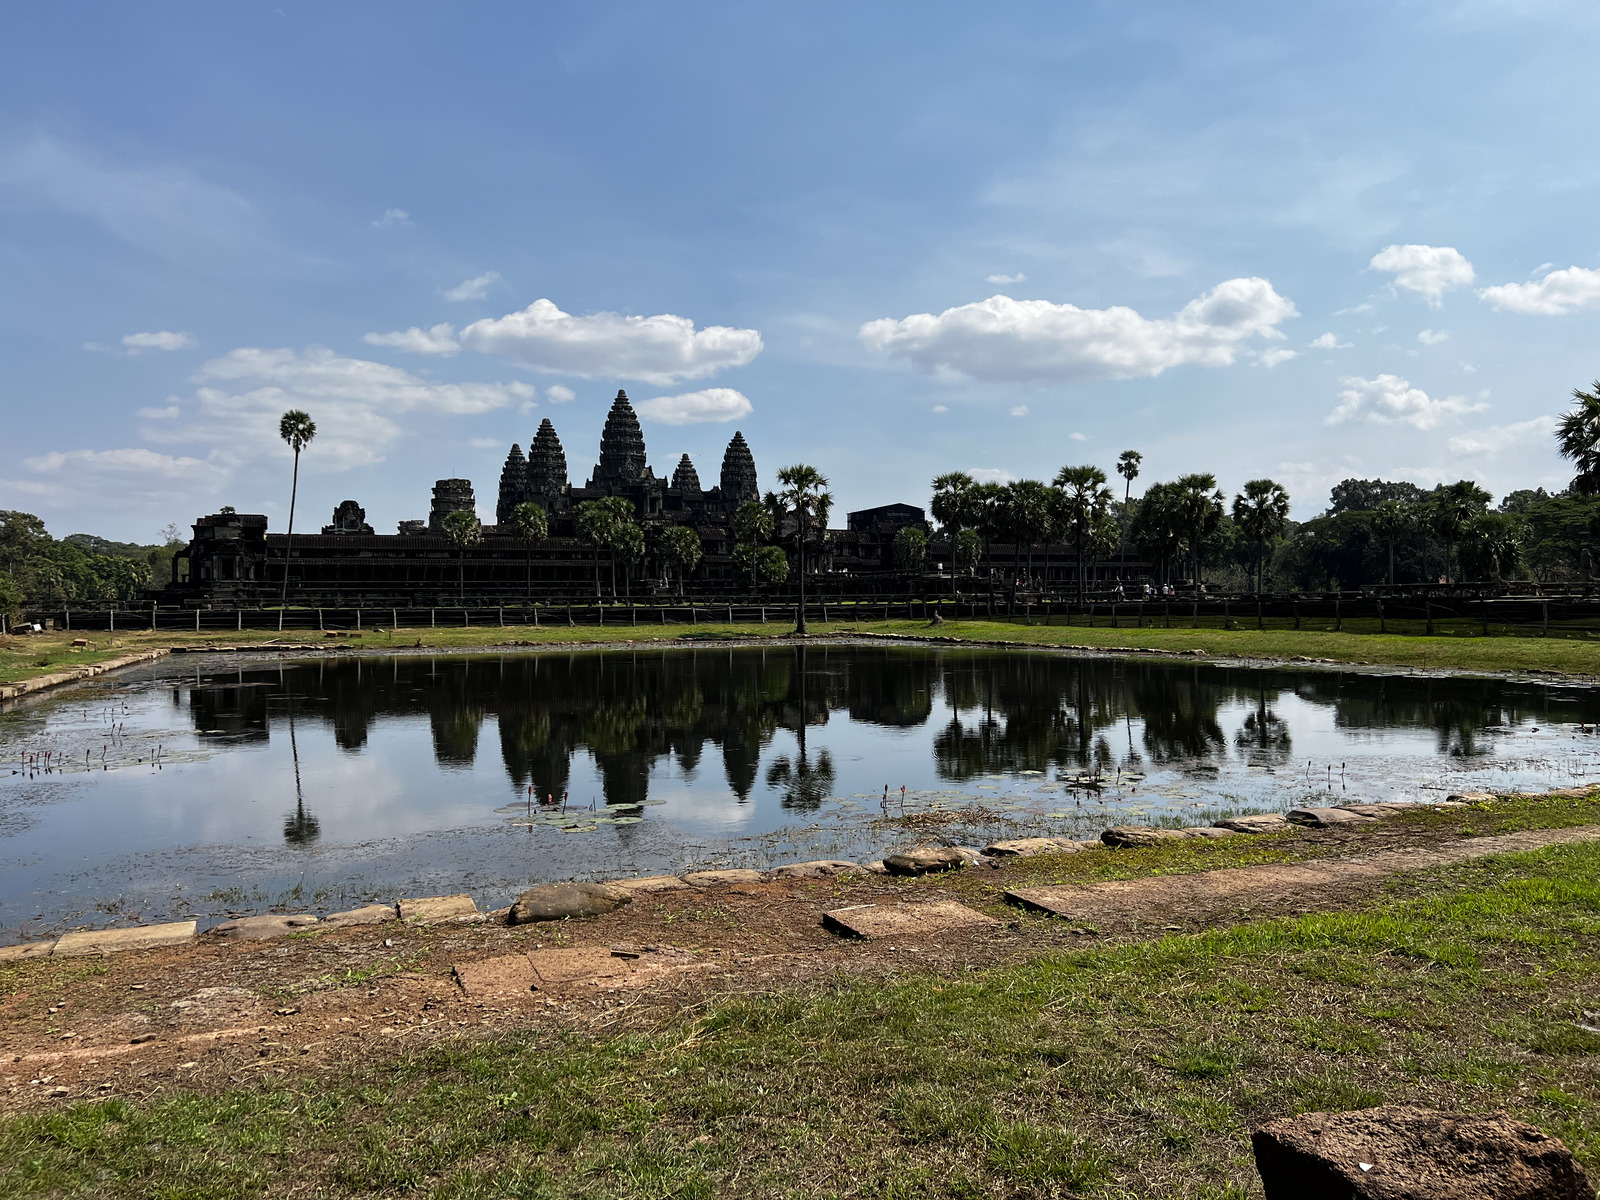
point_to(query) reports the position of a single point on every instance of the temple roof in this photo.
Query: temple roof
(739, 480)
(622, 456)
(685, 478)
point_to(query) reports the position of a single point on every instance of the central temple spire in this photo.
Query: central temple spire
(622, 458)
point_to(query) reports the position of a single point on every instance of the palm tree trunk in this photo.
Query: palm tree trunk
(288, 538)
(800, 622)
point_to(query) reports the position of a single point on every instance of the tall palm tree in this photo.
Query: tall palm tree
(752, 525)
(803, 493)
(1262, 511)
(680, 550)
(1578, 438)
(1451, 508)
(464, 532)
(1158, 526)
(1128, 467)
(596, 520)
(1084, 502)
(1200, 503)
(952, 505)
(1033, 515)
(1389, 520)
(297, 428)
(529, 523)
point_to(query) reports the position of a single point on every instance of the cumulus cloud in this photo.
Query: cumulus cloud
(1078, 437)
(1271, 358)
(991, 475)
(1020, 410)
(1495, 440)
(1430, 271)
(1557, 293)
(1004, 280)
(1328, 341)
(1389, 400)
(437, 339)
(475, 288)
(159, 414)
(693, 408)
(136, 476)
(941, 408)
(1035, 341)
(662, 349)
(159, 340)
(1432, 337)
(393, 218)
(559, 393)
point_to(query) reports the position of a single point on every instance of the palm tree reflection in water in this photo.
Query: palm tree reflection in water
(802, 784)
(300, 828)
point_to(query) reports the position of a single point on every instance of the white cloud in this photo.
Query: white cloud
(559, 393)
(1002, 339)
(991, 475)
(1430, 271)
(1278, 354)
(662, 349)
(1329, 341)
(159, 340)
(1020, 410)
(1004, 280)
(486, 443)
(1077, 437)
(1388, 400)
(1490, 442)
(438, 339)
(692, 408)
(1432, 337)
(1557, 293)
(393, 218)
(941, 408)
(134, 475)
(475, 288)
(159, 414)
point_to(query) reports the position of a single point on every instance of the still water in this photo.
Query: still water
(211, 785)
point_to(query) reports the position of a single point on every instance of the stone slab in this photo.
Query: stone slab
(722, 878)
(822, 868)
(1325, 818)
(1378, 812)
(1055, 901)
(1028, 847)
(651, 883)
(922, 860)
(1255, 823)
(1139, 835)
(432, 910)
(26, 950)
(110, 941)
(1472, 798)
(1208, 831)
(874, 921)
(509, 975)
(370, 914)
(270, 925)
(563, 901)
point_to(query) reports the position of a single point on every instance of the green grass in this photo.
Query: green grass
(1131, 1070)
(24, 658)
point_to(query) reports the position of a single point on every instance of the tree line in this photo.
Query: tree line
(80, 566)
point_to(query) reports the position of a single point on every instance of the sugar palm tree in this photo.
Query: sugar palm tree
(1578, 438)
(803, 494)
(1084, 501)
(1128, 467)
(464, 532)
(680, 550)
(753, 525)
(952, 505)
(297, 428)
(1262, 511)
(1033, 515)
(1451, 508)
(529, 523)
(1200, 503)
(1389, 520)
(596, 520)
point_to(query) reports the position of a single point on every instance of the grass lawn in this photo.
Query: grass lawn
(40, 654)
(1118, 1070)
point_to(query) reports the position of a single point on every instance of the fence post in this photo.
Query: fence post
(1544, 614)
(66, 616)
(197, 619)
(239, 619)
(1261, 621)
(1338, 615)
(466, 617)
(433, 618)
(1427, 609)
(1294, 607)
(501, 613)
(1383, 625)
(1483, 614)
(763, 614)
(1194, 613)
(154, 609)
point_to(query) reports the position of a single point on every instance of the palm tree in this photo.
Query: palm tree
(1200, 503)
(1084, 501)
(463, 530)
(1262, 511)
(803, 493)
(1451, 508)
(1128, 467)
(1578, 438)
(965, 548)
(297, 428)
(627, 547)
(1497, 539)
(1389, 520)
(953, 501)
(596, 519)
(752, 525)
(1158, 526)
(530, 524)
(680, 550)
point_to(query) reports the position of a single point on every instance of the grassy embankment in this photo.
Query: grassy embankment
(39, 654)
(1121, 1070)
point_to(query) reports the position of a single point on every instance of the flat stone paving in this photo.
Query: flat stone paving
(873, 921)
(563, 972)
(428, 910)
(108, 941)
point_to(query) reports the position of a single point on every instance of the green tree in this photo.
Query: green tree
(10, 600)
(1262, 513)
(1158, 528)
(965, 549)
(771, 565)
(1451, 509)
(910, 548)
(464, 532)
(297, 429)
(804, 496)
(1200, 505)
(680, 550)
(627, 549)
(1390, 520)
(1578, 438)
(597, 525)
(1493, 542)
(529, 522)
(1084, 503)
(753, 527)
(1031, 508)
(1128, 467)
(953, 504)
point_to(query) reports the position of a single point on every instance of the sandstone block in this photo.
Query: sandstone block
(920, 860)
(369, 914)
(559, 901)
(722, 878)
(1256, 823)
(1399, 1153)
(1138, 835)
(433, 910)
(1472, 798)
(822, 868)
(1028, 847)
(1326, 818)
(1208, 831)
(110, 941)
(873, 921)
(26, 950)
(651, 883)
(269, 925)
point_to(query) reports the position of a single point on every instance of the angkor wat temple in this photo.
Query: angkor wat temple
(233, 560)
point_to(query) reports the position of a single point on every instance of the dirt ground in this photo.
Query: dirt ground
(220, 1012)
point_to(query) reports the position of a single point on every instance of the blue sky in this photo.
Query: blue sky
(1305, 242)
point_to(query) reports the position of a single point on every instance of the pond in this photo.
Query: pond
(213, 784)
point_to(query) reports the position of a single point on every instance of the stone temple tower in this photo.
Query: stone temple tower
(622, 460)
(449, 496)
(739, 482)
(513, 485)
(685, 478)
(547, 467)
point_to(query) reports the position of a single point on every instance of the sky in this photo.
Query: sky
(1304, 242)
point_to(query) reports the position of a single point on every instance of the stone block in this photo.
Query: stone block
(722, 878)
(26, 950)
(110, 941)
(1377, 812)
(434, 910)
(873, 921)
(921, 860)
(1209, 831)
(1399, 1153)
(560, 901)
(651, 883)
(1028, 847)
(1471, 798)
(1325, 818)
(1052, 901)
(1119, 836)
(822, 868)
(370, 914)
(1255, 823)
(270, 925)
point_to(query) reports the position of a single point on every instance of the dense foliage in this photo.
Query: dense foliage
(82, 567)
